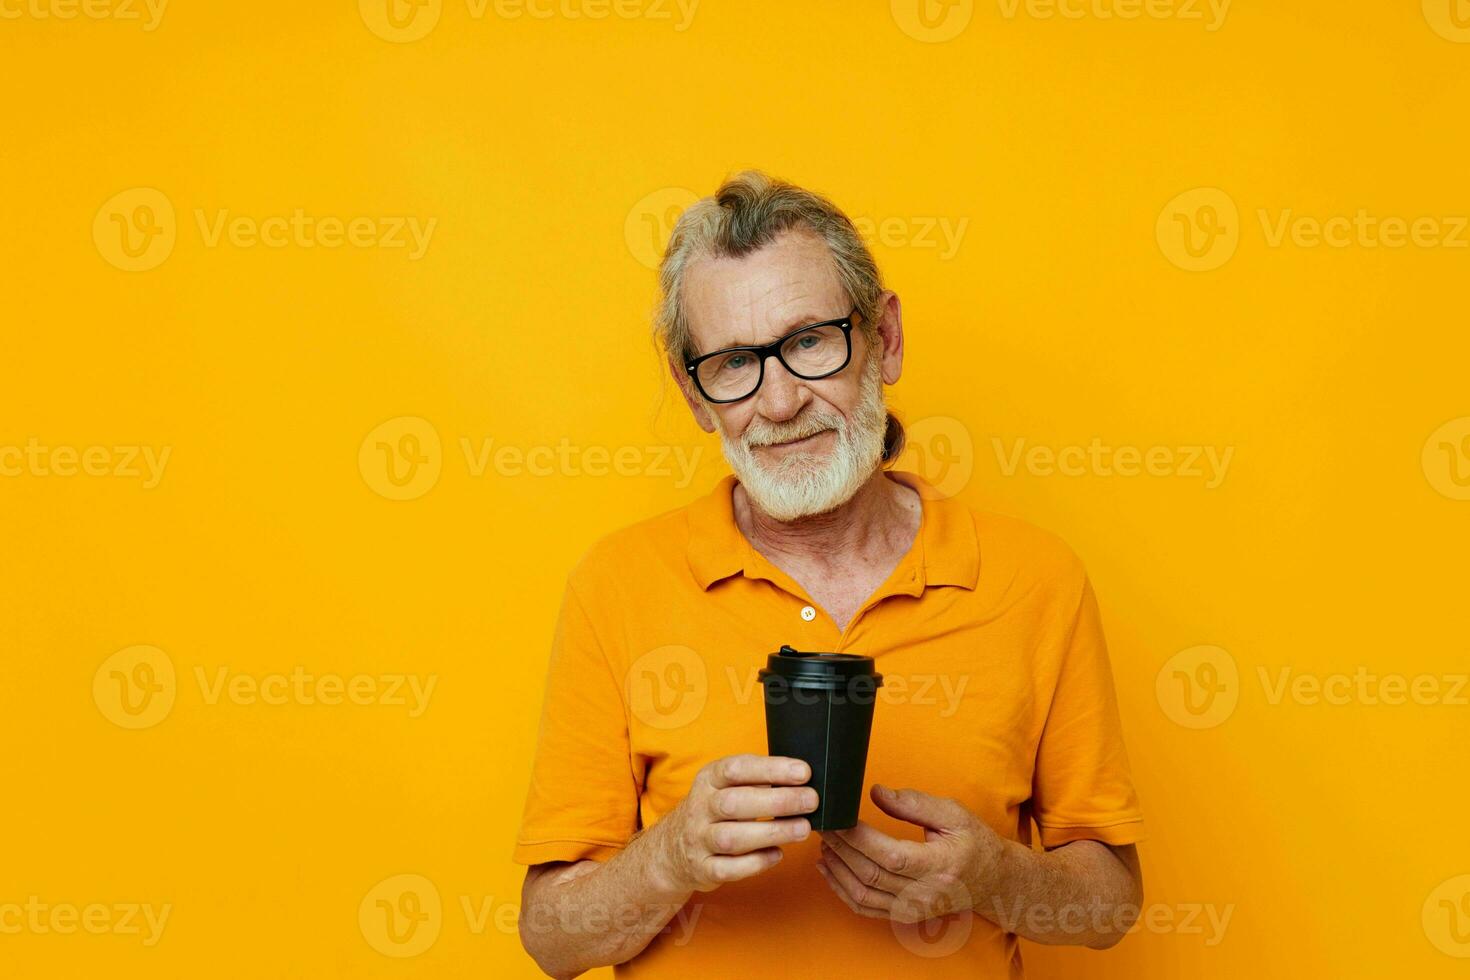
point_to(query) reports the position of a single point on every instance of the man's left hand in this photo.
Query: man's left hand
(885, 877)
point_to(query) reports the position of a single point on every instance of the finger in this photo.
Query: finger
(842, 894)
(875, 899)
(742, 837)
(902, 857)
(755, 802)
(758, 770)
(722, 868)
(863, 868)
(912, 806)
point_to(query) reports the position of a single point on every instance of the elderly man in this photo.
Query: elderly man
(659, 836)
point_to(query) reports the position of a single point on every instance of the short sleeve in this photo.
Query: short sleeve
(1083, 788)
(583, 798)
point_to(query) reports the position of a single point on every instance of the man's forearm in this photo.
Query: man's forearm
(592, 914)
(1082, 894)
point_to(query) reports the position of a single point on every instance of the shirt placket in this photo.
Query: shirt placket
(905, 579)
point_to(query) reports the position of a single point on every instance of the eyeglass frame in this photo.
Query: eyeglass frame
(773, 349)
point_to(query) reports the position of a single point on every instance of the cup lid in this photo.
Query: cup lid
(796, 665)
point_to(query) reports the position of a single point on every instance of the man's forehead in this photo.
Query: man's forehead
(760, 296)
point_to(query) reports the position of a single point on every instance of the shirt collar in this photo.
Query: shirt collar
(948, 551)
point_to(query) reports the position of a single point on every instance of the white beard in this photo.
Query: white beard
(802, 483)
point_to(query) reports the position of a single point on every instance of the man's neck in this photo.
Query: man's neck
(881, 517)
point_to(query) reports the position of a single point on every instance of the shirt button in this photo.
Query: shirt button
(808, 613)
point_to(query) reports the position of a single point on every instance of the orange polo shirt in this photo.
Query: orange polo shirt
(997, 692)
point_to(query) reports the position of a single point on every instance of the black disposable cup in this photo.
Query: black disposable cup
(819, 708)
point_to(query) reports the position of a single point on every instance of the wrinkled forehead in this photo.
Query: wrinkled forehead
(758, 297)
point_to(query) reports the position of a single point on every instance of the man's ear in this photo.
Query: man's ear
(890, 332)
(691, 397)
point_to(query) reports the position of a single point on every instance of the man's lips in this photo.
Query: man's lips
(795, 443)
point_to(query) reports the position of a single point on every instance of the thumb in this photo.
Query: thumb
(912, 806)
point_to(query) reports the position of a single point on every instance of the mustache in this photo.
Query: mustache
(770, 435)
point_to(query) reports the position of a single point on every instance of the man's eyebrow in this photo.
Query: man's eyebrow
(793, 324)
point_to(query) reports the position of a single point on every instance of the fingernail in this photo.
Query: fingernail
(798, 771)
(801, 829)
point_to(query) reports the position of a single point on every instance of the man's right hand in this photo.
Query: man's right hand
(717, 833)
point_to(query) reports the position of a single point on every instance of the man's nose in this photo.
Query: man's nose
(782, 394)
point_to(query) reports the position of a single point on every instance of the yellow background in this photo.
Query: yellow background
(548, 150)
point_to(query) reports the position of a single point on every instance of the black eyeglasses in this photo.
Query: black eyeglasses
(813, 352)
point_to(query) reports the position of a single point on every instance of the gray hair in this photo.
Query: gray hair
(747, 213)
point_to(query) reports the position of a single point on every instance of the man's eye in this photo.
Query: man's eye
(735, 362)
(809, 341)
